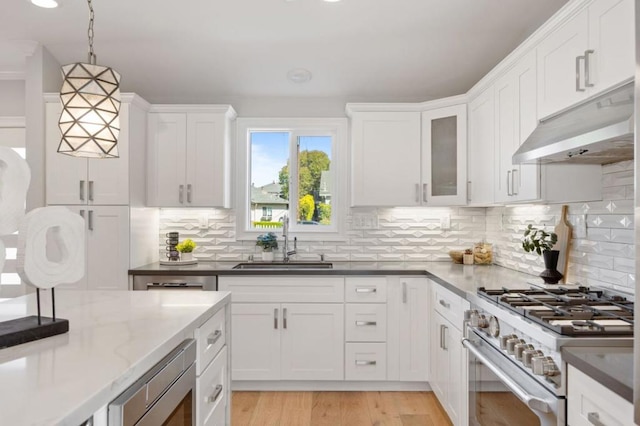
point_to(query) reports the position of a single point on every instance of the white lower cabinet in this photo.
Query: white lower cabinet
(448, 357)
(365, 361)
(590, 403)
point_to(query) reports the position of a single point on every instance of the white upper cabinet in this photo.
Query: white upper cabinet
(444, 156)
(385, 152)
(407, 158)
(189, 156)
(591, 52)
(481, 150)
(81, 181)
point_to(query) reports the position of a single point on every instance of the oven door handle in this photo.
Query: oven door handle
(531, 401)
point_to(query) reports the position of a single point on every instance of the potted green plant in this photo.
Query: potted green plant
(186, 248)
(268, 242)
(542, 242)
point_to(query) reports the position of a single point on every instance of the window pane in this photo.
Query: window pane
(444, 172)
(315, 183)
(269, 173)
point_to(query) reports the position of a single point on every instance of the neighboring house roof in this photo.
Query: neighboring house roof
(326, 181)
(267, 194)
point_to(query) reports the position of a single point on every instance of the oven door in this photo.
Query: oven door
(501, 393)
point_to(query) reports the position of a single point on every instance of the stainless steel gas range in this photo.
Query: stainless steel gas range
(515, 336)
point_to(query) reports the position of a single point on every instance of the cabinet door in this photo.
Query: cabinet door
(312, 341)
(207, 158)
(453, 350)
(611, 37)
(444, 156)
(66, 175)
(107, 247)
(558, 83)
(385, 157)
(505, 117)
(414, 329)
(480, 163)
(255, 341)
(108, 180)
(439, 378)
(167, 148)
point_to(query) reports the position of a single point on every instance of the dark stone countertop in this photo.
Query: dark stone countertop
(612, 367)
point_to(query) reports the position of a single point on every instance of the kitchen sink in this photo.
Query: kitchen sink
(284, 265)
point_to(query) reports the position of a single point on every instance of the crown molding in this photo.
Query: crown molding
(13, 122)
(185, 108)
(13, 75)
(405, 106)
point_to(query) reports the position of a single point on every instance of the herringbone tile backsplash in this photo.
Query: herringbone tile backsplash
(602, 250)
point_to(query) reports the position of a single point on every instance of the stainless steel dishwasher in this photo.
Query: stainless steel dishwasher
(175, 282)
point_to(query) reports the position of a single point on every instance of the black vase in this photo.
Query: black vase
(551, 275)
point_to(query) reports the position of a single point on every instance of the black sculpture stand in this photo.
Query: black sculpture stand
(28, 329)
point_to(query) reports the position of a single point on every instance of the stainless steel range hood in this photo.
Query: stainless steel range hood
(599, 130)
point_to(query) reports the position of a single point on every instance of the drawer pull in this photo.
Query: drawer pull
(216, 393)
(275, 318)
(445, 304)
(366, 290)
(594, 419)
(284, 318)
(213, 337)
(363, 323)
(404, 292)
(363, 362)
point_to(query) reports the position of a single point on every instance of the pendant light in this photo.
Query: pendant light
(90, 98)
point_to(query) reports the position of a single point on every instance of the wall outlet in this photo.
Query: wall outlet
(364, 221)
(445, 222)
(204, 221)
(580, 226)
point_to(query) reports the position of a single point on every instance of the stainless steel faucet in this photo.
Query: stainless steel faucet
(285, 245)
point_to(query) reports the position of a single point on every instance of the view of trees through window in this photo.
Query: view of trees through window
(271, 180)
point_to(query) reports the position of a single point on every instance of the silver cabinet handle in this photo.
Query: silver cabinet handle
(424, 192)
(90, 220)
(90, 190)
(587, 68)
(366, 290)
(275, 318)
(82, 213)
(535, 403)
(513, 182)
(442, 326)
(508, 182)
(404, 292)
(578, 59)
(181, 194)
(444, 304)
(363, 362)
(417, 193)
(365, 323)
(594, 419)
(469, 191)
(188, 193)
(81, 190)
(216, 393)
(445, 329)
(284, 318)
(214, 337)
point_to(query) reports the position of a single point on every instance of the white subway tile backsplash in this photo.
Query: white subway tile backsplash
(625, 236)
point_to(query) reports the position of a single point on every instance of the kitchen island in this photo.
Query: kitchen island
(114, 338)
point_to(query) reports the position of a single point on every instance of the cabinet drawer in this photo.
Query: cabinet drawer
(212, 393)
(366, 322)
(284, 289)
(210, 337)
(590, 402)
(366, 289)
(366, 361)
(448, 304)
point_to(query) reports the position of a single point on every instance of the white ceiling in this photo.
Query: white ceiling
(357, 50)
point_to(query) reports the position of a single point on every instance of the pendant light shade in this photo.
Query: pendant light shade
(90, 97)
(90, 121)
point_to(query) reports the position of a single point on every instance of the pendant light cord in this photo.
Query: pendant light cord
(92, 56)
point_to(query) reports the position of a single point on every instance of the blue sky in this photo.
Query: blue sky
(270, 151)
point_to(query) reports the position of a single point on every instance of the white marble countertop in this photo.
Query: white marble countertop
(114, 338)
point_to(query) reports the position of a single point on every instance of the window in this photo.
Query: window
(289, 168)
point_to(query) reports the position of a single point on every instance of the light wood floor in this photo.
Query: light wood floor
(337, 409)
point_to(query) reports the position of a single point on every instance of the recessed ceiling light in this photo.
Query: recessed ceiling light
(299, 75)
(47, 4)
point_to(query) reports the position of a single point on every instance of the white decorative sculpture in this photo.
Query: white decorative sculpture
(46, 230)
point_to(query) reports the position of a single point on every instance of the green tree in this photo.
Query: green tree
(311, 164)
(306, 207)
(324, 213)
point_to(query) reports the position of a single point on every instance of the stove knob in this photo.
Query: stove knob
(511, 345)
(504, 339)
(520, 348)
(537, 364)
(528, 355)
(483, 322)
(474, 317)
(550, 368)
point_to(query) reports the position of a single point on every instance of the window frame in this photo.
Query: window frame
(336, 127)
